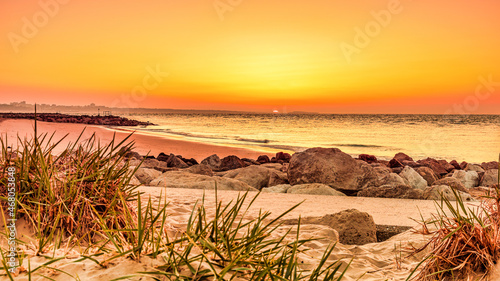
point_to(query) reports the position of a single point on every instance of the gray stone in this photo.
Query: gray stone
(490, 178)
(145, 175)
(469, 179)
(414, 179)
(436, 192)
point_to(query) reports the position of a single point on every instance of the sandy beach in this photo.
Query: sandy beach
(373, 261)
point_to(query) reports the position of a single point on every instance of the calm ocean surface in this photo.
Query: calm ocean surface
(474, 138)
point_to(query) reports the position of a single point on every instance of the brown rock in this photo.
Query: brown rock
(330, 166)
(263, 159)
(447, 166)
(174, 162)
(285, 157)
(455, 164)
(368, 158)
(428, 174)
(200, 169)
(489, 165)
(162, 157)
(397, 170)
(394, 163)
(277, 178)
(463, 165)
(434, 165)
(391, 191)
(213, 161)
(401, 157)
(451, 182)
(231, 162)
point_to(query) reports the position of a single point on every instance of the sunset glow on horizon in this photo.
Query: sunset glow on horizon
(368, 56)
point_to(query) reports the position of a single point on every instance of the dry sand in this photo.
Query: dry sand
(377, 261)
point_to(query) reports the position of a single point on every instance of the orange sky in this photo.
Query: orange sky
(329, 56)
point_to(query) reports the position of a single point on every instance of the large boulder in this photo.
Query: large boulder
(451, 182)
(474, 167)
(314, 189)
(469, 179)
(182, 179)
(231, 162)
(414, 179)
(354, 227)
(436, 192)
(332, 167)
(200, 169)
(145, 175)
(428, 174)
(255, 176)
(392, 179)
(392, 191)
(490, 178)
(212, 161)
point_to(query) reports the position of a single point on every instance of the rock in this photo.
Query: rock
(436, 192)
(134, 162)
(255, 176)
(490, 178)
(489, 165)
(231, 162)
(150, 163)
(392, 191)
(275, 166)
(200, 169)
(381, 171)
(402, 157)
(285, 157)
(434, 165)
(354, 227)
(190, 161)
(132, 155)
(455, 164)
(451, 182)
(428, 174)
(263, 159)
(368, 158)
(250, 161)
(134, 181)
(175, 162)
(463, 165)
(392, 179)
(395, 164)
(145, 175)
(469, 179)
(314, 189)
(397, 170)
(282, 188)
(414, 179)
(162, 157)
(277, 178)
(410, 163)
(474, 167)
(332, 167)
(182, 179)
(213, 161)
(447, 166)
(163, 167)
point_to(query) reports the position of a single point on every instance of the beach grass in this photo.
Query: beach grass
(82, 199)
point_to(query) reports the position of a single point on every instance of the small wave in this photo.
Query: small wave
(360, 145)
(253, 140)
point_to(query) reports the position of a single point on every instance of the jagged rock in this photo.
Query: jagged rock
(428, 174)
(162, 157)
(332, 167)
(447, 166)
(469, 179)
(182, 179)
(392, 191)
(213, 161)
(490, 178)
(231, 162)
(175, 162)
(434, 165)
(402, 157)
(451, 182)
(436, 192)
(414, 179)
(255, 176)
(314, 189)
(277, 178)
(394, 163)
(283, 156)
(455, 164)
(200, 169)
(368, 158)
(145, 175)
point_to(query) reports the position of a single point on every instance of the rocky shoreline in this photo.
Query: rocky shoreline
(320, 171)
(109, 120)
